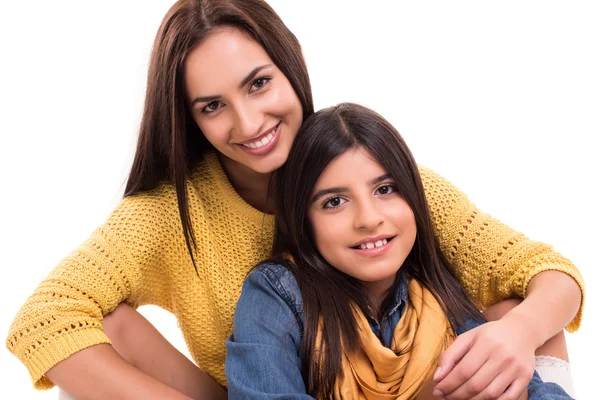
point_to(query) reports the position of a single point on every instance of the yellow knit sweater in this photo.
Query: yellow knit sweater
(139, 256)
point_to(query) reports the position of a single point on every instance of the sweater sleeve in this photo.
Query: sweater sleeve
(492, 261)
(65, 313)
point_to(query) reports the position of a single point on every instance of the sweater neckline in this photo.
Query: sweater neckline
(220, 179)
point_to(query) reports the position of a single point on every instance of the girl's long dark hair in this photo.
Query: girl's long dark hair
(327, 293)
(170, 143)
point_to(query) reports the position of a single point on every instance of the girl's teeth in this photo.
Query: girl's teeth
(378, 243)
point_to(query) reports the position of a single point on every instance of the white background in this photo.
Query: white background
(502, 98)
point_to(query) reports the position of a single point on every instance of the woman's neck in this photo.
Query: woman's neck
(252, 186)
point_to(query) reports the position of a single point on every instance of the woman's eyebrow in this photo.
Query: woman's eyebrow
(244, 82)
(253, 74)
(204, 99)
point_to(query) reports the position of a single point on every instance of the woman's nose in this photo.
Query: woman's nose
(248, 121)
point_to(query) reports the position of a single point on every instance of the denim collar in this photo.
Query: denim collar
(401, 294)
(400, 298)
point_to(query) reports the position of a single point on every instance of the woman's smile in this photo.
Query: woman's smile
(264, 143)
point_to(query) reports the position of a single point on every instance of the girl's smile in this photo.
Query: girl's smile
(374, 247)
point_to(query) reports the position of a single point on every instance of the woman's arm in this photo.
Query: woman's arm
(492, 261)
(506, 348)
(98, 372)
(263, 353)
(145, 348)
(64, 315)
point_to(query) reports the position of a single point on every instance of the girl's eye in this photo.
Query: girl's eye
(211, 107)
(334, 202)
(259, 83)
(386, 189)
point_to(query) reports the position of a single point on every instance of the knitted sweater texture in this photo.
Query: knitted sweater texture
(139, 256)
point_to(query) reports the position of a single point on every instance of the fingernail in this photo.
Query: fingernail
(437, 373)
(437, 393)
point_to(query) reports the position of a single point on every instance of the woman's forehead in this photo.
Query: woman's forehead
(222, 61)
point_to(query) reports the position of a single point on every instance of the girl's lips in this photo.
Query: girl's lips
(261, 151)
(375, 251)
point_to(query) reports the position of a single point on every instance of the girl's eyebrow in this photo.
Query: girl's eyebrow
(342, 189)
(324, 192)
(244, 82)
(379, 179)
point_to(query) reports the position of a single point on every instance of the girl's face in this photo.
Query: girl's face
(242, 102)
(361, 225)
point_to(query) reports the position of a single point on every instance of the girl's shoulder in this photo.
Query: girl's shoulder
(275, 278)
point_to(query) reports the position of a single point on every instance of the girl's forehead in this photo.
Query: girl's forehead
(356, 165)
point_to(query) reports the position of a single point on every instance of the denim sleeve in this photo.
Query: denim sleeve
(263, 359)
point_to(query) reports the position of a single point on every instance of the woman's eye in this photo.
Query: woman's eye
(210, 107)
(334, 202)
(260, 83)
(386, 189)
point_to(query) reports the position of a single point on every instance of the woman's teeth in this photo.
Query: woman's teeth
(263, 142)
(371, 245)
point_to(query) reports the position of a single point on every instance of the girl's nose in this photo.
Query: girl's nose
(368, 217)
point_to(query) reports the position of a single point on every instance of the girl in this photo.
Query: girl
(359, 302)
(227, 92)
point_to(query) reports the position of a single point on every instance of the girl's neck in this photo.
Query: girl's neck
(252, 186)
(378, 291)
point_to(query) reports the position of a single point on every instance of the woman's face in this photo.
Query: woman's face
(242, 102)
(361, 225)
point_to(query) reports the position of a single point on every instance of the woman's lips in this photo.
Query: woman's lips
(268, 141)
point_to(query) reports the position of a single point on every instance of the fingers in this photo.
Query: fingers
(516, 390)
(475, 377)
(453, 355)
(462, 372)
(486, 383)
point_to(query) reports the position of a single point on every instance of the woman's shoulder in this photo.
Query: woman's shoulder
(148, 207)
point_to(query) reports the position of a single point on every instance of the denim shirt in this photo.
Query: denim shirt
(263, 353)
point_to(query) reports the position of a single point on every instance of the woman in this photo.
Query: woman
(357, 302)
(196, 217)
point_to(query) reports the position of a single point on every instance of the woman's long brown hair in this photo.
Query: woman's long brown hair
(327, 293)
(170, 142)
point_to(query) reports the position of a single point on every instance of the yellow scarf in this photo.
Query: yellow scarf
(376, 372)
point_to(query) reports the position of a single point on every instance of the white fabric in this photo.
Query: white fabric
(62, 395)
(552, 369)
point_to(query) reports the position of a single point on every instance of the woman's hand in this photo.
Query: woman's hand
(500, 355)
(494, 360)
